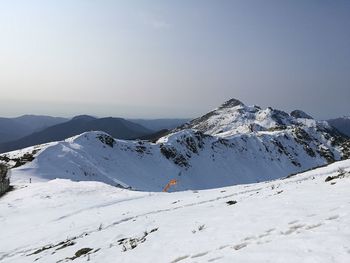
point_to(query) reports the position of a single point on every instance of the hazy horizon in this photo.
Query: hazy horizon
(158, 59)
(145, 117)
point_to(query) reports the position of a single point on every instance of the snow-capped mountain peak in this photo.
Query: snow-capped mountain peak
(233, 117)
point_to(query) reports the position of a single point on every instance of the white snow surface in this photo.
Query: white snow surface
(299, 219)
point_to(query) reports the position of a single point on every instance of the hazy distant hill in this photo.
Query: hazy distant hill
(117, 127)
(341, 124)
(15, 128)
(160, 124)
(153, 137)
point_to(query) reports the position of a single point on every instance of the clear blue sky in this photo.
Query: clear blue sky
(173, 58)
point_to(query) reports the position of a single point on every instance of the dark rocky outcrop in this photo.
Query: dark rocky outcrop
(300, 114)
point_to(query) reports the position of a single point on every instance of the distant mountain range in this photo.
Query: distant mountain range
(15, 128)
(233, 144)
(341, 124)
(28, 130)
(160, 124)
(117, 127)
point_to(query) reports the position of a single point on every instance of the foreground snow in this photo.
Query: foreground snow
(300, 219)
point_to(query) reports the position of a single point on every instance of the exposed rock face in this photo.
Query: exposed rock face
(231, 103)
(4, 179)
(300, 114)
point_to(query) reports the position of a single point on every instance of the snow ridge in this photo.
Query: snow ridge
(233, 144)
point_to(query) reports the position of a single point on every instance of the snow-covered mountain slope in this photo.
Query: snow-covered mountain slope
(305, 218)
(241, 144)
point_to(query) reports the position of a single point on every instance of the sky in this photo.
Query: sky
(166, 59)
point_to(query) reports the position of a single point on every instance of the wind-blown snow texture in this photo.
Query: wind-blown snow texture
(305, 218)
(233, 144)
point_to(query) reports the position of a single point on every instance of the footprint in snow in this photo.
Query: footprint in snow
(333, 217)
(264, 235)
(222, 247)
(292, 229)
(270, 230)
(179, 259)
(200, 254)
(263, 242)
(214, 259)
(240, 246)
(293, 222)
(249, 238)
(313, 226)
